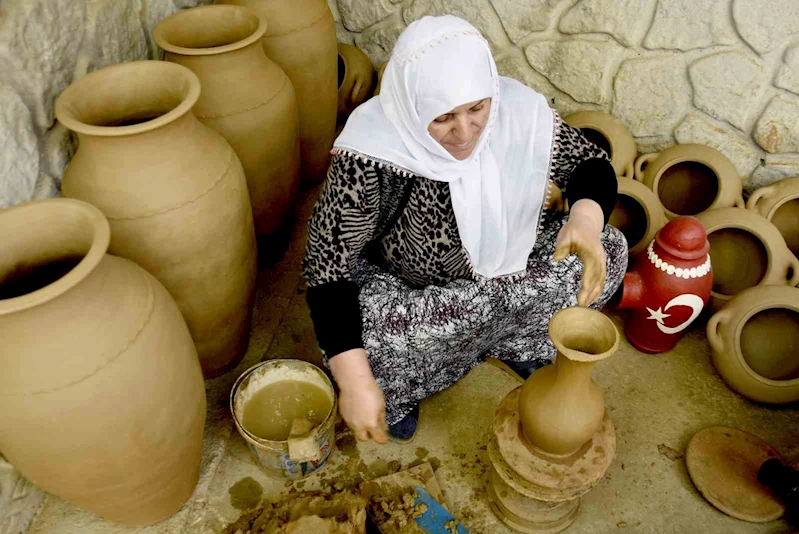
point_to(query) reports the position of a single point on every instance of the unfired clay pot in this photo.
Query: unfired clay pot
(301, 38)
(755, 341)
(561, 406)
(638, 214)
(356, 79)
(102, 393)
(690, 179)
(174, 192)
(607, 132)
(746, 250)
(245, 96)
(779, 203)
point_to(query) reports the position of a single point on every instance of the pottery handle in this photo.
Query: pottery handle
(792, 274)
(713, 335)
(739, 201)
(629, 170)
(639, 164)
(756, 197)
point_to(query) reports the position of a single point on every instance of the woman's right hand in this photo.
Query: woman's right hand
(361, 401)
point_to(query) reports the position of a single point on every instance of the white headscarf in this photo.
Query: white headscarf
(440, 63)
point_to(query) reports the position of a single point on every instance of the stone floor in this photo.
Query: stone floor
(657, 403)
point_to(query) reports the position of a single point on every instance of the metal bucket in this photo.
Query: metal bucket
(273, 456)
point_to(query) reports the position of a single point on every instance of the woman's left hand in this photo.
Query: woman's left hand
(581, 235)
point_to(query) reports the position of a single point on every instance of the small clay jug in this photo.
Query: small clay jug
(608, 133)
(103, 396)
(301, 38)
(638, 214)
(690, 179)
(560, 405)
(746, 250)
(356, 79)
(380, 70)
(245, 97)
(174, 192)
(779, 203)
(755, 341)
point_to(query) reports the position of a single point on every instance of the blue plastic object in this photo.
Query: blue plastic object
(435, 519)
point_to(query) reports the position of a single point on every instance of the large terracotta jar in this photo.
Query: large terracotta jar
(357, 79)
(690, 179)
(755, 341)
(779, 203)
(174, 192)
(638, 214)
(245, 97)
(103, 400)
(607, 132)
(560, 405)
(301, 38)
(746, 250)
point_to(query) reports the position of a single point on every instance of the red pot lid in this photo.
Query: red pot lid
(684, 237)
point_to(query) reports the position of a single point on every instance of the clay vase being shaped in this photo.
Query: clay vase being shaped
(667, 288)
(755, 341)
(103, 396)
(174, 192)
(380, 70)
(608, 133)
(356, 79)
(779, 203)
(560, 405)
(301, 38)
(638, 214)
(690, 179)
(746, 250)
(245, 97)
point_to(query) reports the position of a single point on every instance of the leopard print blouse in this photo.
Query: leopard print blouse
(358, 213)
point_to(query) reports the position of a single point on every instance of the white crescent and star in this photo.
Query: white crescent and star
(687, 299)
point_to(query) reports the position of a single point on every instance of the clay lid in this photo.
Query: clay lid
(723, 463)
(684, 237)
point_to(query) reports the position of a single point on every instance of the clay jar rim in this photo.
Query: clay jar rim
(73, 105)
(245, 376)
(97, 230)
(598, 121)
(740, 225)
(707, 156)
(781, 301)
(582, 318)
(209, 16)
(638, 191)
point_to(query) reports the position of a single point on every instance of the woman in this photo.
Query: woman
(432, 247)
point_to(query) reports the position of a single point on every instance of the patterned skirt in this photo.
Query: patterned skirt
(422, 340)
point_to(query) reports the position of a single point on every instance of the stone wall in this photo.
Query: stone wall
(719, 72)
(44, 46)
(723, 73)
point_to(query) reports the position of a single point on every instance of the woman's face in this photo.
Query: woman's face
(459, 130)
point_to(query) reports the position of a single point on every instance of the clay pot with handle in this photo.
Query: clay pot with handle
(746, 251)
(755, 341)
(301, 38)
(638, 214)
(245, 97)
(174, 192)
(103, 400)
(779, 203)
(356, 79)
(690, 179)
(608, 133)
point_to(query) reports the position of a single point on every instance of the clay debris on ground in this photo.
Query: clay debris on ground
(305, 512)
(396, 514)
